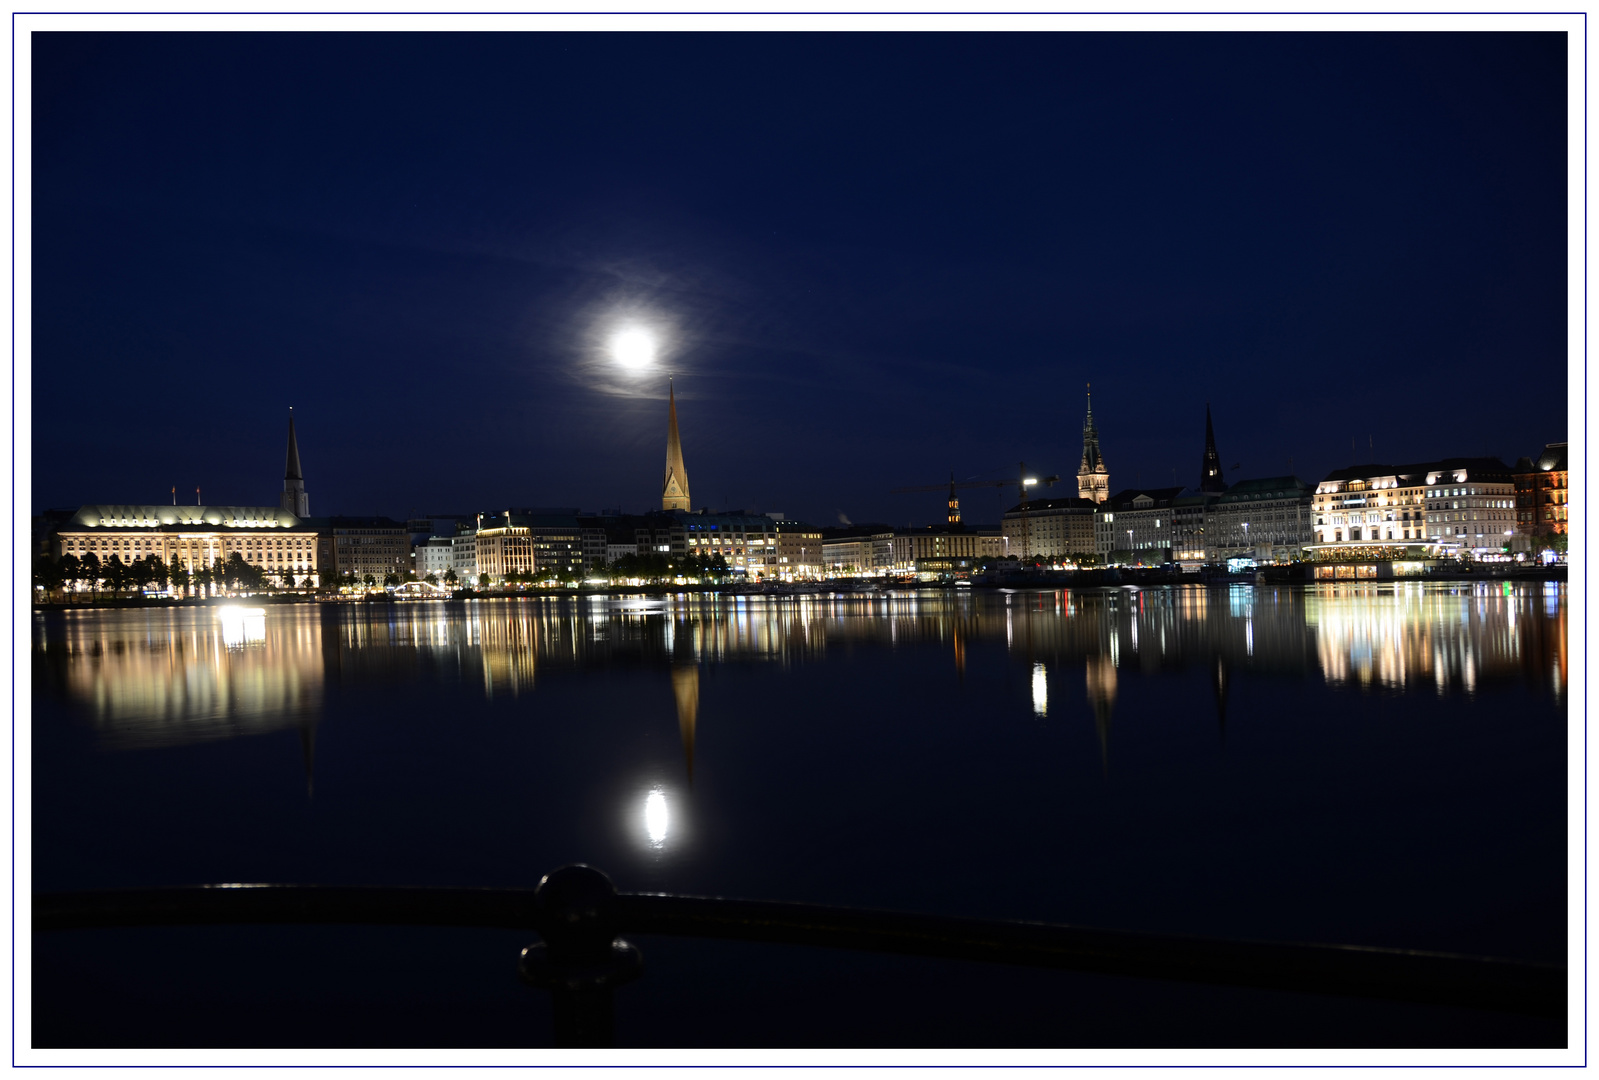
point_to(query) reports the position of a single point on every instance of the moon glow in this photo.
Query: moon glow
(633, 349)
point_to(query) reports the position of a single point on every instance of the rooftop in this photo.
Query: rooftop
(1032, 506)
(1477, 468)
(161, 516)
(1553, 458)
(1270, 487)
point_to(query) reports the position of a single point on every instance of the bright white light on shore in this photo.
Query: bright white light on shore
(655, 817)
(633, 349)
(242, 626)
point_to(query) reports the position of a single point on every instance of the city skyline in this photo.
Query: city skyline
(675, 496)
(920, 287)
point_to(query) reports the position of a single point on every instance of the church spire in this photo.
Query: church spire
(1093, 481)
(674, 489)
(294, 498)
(1210, 474)
(291, 470)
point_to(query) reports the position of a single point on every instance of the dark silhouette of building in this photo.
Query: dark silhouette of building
(1210, 476)
(294, 498)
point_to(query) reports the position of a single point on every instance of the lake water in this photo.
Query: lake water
(1378, 764)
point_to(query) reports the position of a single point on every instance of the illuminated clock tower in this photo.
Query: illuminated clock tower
(1093, 481)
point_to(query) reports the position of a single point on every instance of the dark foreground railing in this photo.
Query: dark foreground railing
(581, 960)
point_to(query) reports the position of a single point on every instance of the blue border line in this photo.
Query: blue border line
(1585, 816)
(13, 512)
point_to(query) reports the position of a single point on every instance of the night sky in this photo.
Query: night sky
(877, 258)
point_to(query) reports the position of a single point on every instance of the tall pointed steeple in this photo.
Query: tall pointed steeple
(294, 498)
(1093, 481)
(1210, 474)
(674, 489)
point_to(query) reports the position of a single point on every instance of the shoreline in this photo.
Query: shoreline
(1092, 579)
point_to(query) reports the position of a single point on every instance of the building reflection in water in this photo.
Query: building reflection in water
(1102, 696)
(1218, 687)
(162, 677)
(1453, 638)
(686, 688)
(153, 677)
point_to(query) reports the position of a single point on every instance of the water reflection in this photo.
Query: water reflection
(1411, 635)
(686, 688)
(1102, 696)
(242, 627)
(1218, 686)
(150, 677)
(656, 817)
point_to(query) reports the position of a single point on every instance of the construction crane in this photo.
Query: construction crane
(1022, 482)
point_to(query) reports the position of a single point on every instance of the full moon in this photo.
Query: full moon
(633, 349)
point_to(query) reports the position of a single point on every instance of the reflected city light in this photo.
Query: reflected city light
(162, 678)
(656, 817)
(242, 626)
(151, 677)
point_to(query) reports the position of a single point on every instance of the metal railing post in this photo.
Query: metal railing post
(581, 960)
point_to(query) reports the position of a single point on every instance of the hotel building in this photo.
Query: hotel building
(275, 539)
(1385, 512)
(267, 537)
(1269, 520)
(1136, 526)
(1371, 505)
(1470, 505)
